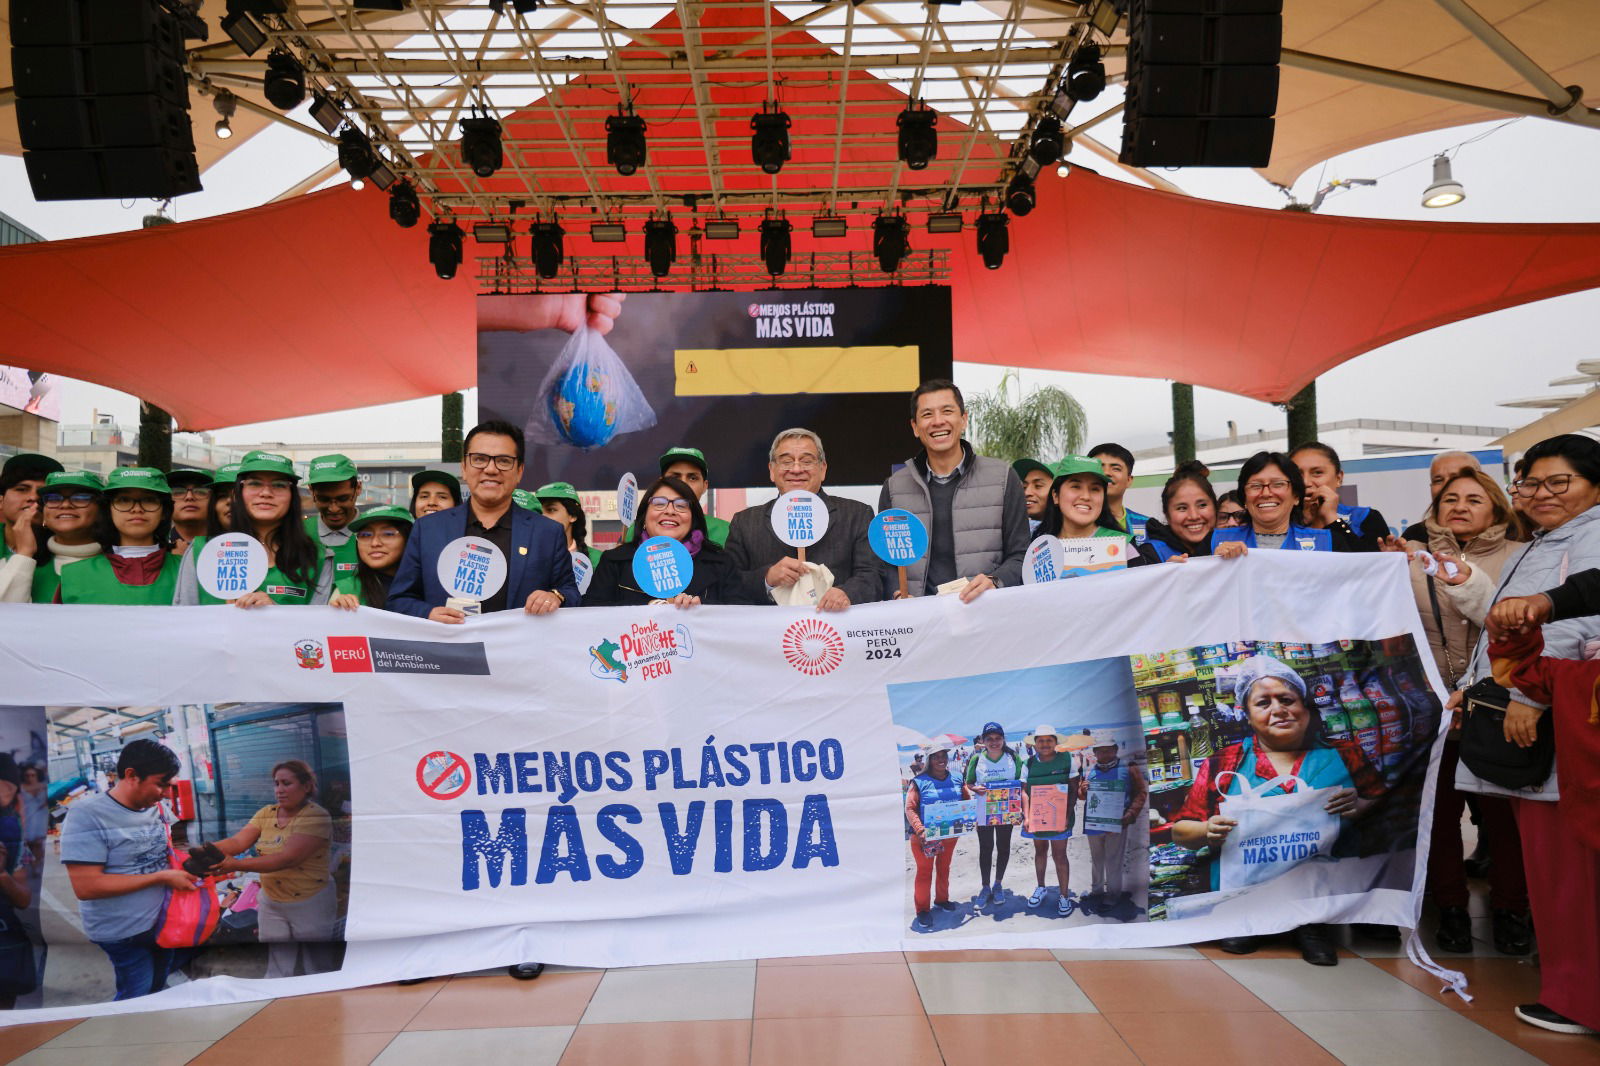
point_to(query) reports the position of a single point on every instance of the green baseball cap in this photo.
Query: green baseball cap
(443, 477)
(138, 477)
(382, 514)
(266, 463)
(179, 478)
(226, 474)
(692, 455)
(524, 498)
(557, 490)
(76, 478)
(1078, 464)
(1023, 467)
(329, 468)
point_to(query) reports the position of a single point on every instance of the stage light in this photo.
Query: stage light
(769, 144)
(244, 32)
(660, 245)
(1020, 196)
(225, 103)
(480, 145)
(945, 222)
(777, 244)
(994, 238)
(404, 208)
(608, 232)
(891, 240)
(325, 112)
(521, 7)
(285, 83)
(1047, 143)
(722, 229)
(918, 141)
(1086, 74)
(1445, 191)
(491, 233)
(444, 248)
(382, 176)
(1063, 170)
(356, 156)
(625, 146)
(547, 248)
(829, 226)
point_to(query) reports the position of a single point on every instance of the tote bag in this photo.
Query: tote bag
(1277, 830)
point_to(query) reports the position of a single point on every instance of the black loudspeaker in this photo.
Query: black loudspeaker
(1202, 82)
(102, 100)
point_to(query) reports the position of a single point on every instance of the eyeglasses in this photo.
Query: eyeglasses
(342, 500)
(198, 491)
(380, 534)
(805, 462)
(255, 484)
(1256, 488)
(76, 499)
(1232, 518)
(669, 503)
(481, 461)
(1555, 483)
(135, 503)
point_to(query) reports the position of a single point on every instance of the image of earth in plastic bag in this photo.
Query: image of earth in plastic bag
(588, 397)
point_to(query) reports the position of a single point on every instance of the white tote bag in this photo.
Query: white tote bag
(1276, 832)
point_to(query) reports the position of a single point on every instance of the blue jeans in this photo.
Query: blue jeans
(141, 967)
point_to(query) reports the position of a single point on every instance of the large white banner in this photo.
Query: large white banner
(619, 787)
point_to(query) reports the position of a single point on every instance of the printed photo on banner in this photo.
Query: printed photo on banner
(1294, 770)
(182, 842)
(1025, 799)
(24, 826)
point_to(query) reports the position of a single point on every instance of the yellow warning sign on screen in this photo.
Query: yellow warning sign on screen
(781, 371)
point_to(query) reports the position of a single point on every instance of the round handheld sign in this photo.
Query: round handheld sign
(471, 569)
(1043, 561)
(662, 567)
(898, 537)
(231, 565)
(628, 499)
(799, 518)
(582, 571)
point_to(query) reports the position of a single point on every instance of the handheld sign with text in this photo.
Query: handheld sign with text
(1043, 561)
(662, 567)
(628, 499)
(799, 519)
(231, 565)
(898, 538)
(582, 571)
(1092, 555)
(471, 569)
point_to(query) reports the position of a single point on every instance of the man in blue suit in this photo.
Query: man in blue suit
(538, 569)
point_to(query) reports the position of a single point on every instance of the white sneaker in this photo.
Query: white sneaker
(1038, 896)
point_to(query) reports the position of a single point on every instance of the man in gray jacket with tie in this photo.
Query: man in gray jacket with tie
(796, 462)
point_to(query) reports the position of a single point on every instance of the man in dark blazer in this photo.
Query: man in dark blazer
(797, 462)
(538, 569)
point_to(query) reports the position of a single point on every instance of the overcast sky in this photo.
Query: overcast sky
(1529, 171)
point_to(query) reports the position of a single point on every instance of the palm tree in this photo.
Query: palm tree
(1044, 424)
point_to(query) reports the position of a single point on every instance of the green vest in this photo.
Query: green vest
(95, 581)
(46, 581)
(5, 549)
(345, 560)
(289, 593)
(1056, 772)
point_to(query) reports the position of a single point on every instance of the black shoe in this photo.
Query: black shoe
(1316, 945)
(1240, 945)
(1386, 933)
(1545, 1018)
(1455, 929)
(1512, 933)
(526, 971)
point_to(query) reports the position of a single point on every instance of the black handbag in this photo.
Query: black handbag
(1485, 749)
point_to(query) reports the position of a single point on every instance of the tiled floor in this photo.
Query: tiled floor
(1196, 1006)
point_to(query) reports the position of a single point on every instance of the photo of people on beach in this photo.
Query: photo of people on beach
(1025, 799)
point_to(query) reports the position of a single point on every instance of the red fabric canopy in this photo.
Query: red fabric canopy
(322, 304)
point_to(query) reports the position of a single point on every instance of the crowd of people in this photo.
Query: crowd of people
(134, 537)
